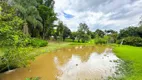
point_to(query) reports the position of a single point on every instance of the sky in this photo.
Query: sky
(99, 14)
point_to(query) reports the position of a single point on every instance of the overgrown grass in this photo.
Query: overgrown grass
(133, 59)
(35, 42)
(51, 47)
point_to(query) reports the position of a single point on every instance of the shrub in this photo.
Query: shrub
(85, 38)
(15, 57)
(100, 41)
(134, 41)
(38, 42)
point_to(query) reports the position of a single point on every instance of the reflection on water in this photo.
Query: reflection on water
(97, 67)
(74, 63)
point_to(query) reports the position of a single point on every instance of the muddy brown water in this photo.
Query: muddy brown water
(73, 63)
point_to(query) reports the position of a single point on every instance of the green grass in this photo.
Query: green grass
(133, 57)
(41, 50)
(51, 47)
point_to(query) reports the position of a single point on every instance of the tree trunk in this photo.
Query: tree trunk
(25, 29)
(43, 32)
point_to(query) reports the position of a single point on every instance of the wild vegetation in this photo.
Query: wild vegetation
(27, 25)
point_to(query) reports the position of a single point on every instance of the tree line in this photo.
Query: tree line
(128, 36)
(38, 17)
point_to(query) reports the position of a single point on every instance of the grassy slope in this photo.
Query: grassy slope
(134, 55)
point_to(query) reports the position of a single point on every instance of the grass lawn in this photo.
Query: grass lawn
(134, 56)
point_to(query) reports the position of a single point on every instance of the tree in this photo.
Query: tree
(50, 3)
(66, 33)
(100, 33)
(43, 11)
(10, 27)
(48, 16)
(110, 31)
(113, 35)
(140, 28)
(140, 23)
(28, 12)
(93, 35)
(73, 36)
(82, 33)
(140, 31)
(130, 31)
(62, 30)
(12, 39)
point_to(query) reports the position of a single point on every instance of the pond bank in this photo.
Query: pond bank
(80, 56)
(131, 55)
(133, 61)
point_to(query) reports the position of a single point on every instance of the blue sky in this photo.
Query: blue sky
(99, 14)
(68, 16)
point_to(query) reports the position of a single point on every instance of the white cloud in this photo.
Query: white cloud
(99, 14)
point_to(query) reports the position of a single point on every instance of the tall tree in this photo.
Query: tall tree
(66, 33)
(100, 33)
(82, 33)
(140, 23)
(27, 10)
(50, 3)
(10, 27)
(48, 16)
(140, 31)
(130, 31)
(140, 28)
(73, 36)
(60, 29)
(112, 36)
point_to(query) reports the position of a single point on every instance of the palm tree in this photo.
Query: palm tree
(27, 10)
(48, 16)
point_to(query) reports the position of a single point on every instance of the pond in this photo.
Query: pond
(72, 63)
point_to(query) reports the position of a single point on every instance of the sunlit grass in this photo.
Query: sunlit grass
(134, 56)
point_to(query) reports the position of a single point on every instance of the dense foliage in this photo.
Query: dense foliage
(38, 42)
(134, 41)
(14, 58)
(130, 36)
(82, 33)
(13, 38)
(10, 28)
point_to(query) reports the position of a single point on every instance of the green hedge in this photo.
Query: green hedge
(38, 42)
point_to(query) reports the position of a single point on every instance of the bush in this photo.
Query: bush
(14, 58)
(85, 38)
(38, 42)
(100, 41)
(134, 41)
